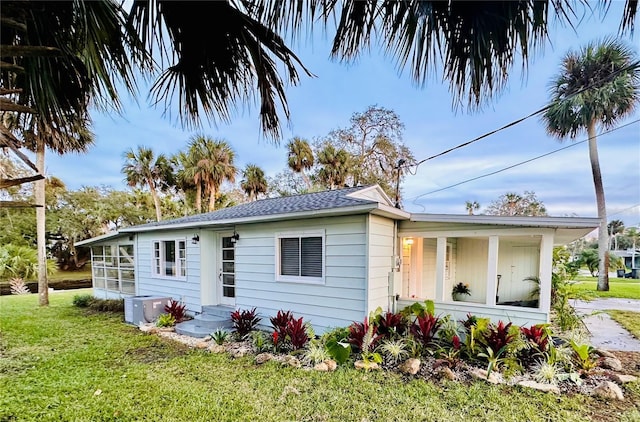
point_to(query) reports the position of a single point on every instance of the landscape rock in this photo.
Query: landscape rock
(623, 379)
(202, 345)
(410, 366)
(291, 361)
(605, 353)
(239, 352)
(331, 364)
(146, 328)
(321, 367)
(447, 373)
(611, 363)
(366, 366)
(482, 374)
(609, 390)
(547, 388)
(217, 348)
(263, 357)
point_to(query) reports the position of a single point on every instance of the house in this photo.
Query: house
(334, 256)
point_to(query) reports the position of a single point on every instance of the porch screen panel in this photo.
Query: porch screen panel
(290, 256)
(311, 251)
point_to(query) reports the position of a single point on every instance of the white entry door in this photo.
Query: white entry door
(226, 270)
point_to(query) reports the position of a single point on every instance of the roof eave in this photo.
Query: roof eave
(553, 222)
(358, 209)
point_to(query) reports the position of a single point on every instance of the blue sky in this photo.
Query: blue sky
(562, 180)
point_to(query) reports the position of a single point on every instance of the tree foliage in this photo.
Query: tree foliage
(514, 204)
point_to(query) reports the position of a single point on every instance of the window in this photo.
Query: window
(170, 258)
(300, 257)
(113, 268)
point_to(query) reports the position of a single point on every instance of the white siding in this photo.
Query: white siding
(187, 291)
(518, 315)
(471, 257)
(337, 302)
(428, 268)
(381, 239)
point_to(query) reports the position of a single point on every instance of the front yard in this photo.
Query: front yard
(624, 288)
(60, 363)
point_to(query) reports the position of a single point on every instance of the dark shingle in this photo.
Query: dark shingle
(273, 206)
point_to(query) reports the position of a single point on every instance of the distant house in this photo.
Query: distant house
(334, 256)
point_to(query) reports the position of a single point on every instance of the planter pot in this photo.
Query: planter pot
(458, 297)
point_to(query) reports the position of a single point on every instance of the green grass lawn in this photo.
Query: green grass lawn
(60, 363)
(629, 320)
(625, 288)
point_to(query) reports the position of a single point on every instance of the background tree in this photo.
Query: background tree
(598, 85)
(335, 166)
(513, 204)
(373, 141)
(472, 206)
(253, 181)
(217, 164)
(300, 158)
(143, 168)
(614, 228)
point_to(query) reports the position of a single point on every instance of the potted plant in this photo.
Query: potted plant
(459, 290)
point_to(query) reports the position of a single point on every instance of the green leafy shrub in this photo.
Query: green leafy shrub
(21, 261)
(316, 352)
(394, 351)
(340, 351)
(165, 320)
(220, 336)
(83, 301)
(244, 321)
(260, 341)
(107, 305)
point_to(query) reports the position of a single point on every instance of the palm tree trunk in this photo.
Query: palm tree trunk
(198, 197)
(212, 197)
(306, 179)
(156, 200)
(603, 235)
(39, 187)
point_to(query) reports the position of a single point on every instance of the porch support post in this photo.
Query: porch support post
(546, 268)
(492, 271)
(441, 255)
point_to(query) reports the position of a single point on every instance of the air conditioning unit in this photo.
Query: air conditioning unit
(142, 309)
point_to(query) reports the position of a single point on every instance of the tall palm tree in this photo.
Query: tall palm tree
(300, 158)
(254, 181)
(143, 168)
(472, 206)
(191, 169)
(334, 168)
(217, 164)
(598, 85)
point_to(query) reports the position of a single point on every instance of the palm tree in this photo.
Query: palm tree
(217, 164)
(254, 181)
(58, 58)
(300, 158)
(615, 227)
(142, 168)
(335, 166)
(472, 206)
(599, 85)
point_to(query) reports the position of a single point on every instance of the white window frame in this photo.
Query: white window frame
(300, 235)
(99, 262)
(179, 266)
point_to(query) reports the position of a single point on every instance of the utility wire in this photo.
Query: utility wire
(521, 163)
(535, 113)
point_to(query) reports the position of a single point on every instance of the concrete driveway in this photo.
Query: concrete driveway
(605, 332)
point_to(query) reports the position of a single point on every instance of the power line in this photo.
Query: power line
(621, 211)
(522, 119)
(520, 163)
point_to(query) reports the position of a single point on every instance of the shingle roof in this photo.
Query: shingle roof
(333, 199)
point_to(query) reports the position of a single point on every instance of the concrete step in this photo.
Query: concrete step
(217, 310)
(188, 328)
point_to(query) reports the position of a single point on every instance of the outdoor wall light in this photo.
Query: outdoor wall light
(195, 239)
(235, 237)
(408, 241)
